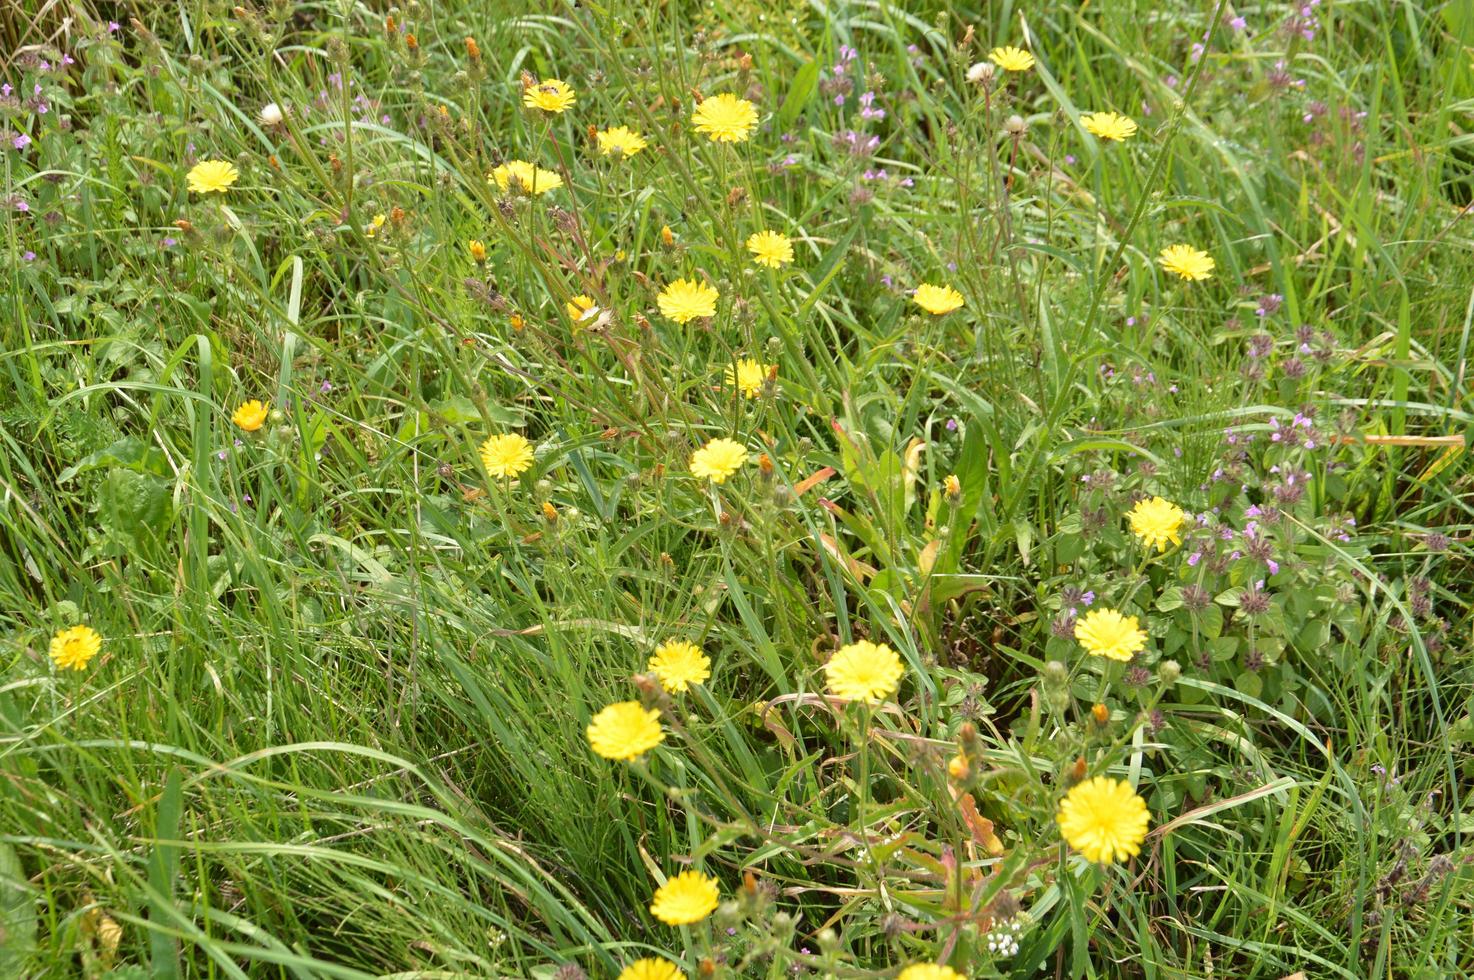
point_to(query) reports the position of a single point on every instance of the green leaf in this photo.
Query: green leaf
(131, 451)
(1210, 621)
(163, 869)
(1230, 597)
(1170, 599)
(17, 916)
(805, 80)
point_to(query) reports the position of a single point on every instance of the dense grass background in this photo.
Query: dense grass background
(338, 726)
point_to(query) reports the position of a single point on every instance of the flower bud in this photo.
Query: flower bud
(1169, 672)
(1056, 674)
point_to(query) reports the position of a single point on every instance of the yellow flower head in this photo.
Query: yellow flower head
(929, 971)
(525, 178)
(651, 968)
(749, 376)
(937, 300)
(686, 299)
(1157, 522)
(212, 175)
(477, 250)
(1011, 59)
(1104, 820)
(770, 248)
(625, 730)
(1190, 263)
(550, 95)
(373, 227)
(952, 486)
(74, 648)
(718, 459)
(679, 664)
(864, 671)
(620, 140)
(250, 416)
(578, 307)
(688, 897)
(506, 455)
(1109, 126)
(1106, 633)
(725, 118)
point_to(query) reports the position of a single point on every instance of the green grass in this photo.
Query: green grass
(338, 725)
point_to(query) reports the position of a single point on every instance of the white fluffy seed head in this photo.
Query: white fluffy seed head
(271, 114)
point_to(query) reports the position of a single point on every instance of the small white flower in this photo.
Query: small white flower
(271, 114)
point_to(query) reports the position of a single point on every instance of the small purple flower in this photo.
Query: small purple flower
(21, 141)
(170, 242)
(325, 387)
(21, 205)
(112, 27)
(951, 425)
(907, 182)
(1070, 159)
(29, 256)
(1238, 23)
(1274, 566)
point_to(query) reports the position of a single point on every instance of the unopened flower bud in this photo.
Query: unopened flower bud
(1169, 672)
(1056, 674)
